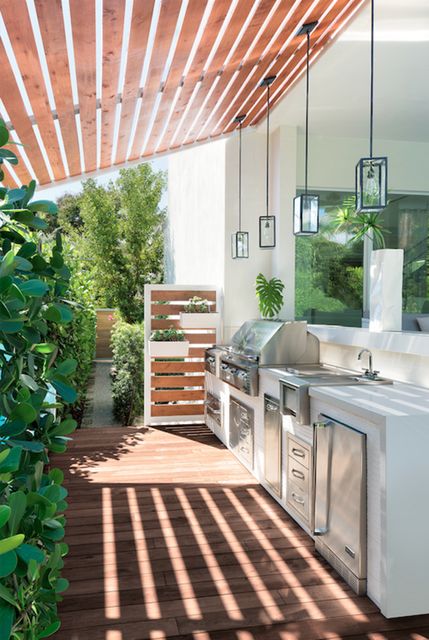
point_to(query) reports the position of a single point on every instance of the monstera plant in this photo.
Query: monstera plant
(270, 296)
(34, 392)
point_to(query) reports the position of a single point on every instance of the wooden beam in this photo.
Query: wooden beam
(170, 395)
(167, 22)
(82, 14)
(177, 409)
(139, 35)
(21, 122)
(162, 382)
(18, 24)
(51, 24)
(113, 27)
(193, 16)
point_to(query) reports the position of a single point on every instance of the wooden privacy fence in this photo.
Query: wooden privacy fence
(174, 387)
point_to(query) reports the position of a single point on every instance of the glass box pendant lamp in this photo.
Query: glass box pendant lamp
(306, 206)
(239, 239)
(371, 173)
(267, 223)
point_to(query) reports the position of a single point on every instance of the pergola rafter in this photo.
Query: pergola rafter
(157, 75)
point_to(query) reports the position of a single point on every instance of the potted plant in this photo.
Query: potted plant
(168, 343)
(270, 296)
(197, 315)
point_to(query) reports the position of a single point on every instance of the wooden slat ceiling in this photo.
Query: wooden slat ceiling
(91, 84)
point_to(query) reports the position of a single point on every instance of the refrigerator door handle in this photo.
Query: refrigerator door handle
(323, 441)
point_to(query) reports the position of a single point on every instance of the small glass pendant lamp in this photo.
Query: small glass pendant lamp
(239, 239)
(306, 206)
(267, 223)
(371, 173)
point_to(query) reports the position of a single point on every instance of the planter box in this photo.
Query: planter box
(179, 349)
(199, 320)
(385, 304)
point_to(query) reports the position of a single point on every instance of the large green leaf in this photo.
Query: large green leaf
(12, 461)
(4, 134)
(36, 288)
(7, 618)
(59, 313)
(18, 504)
(8, 564)
(13, 428)
(4, 514)
(49, 631)
(25, 412)
(65, 390)
(45, 347)
(9, 156)
(29, 552)
(10, 543)
(44, 206)
(7, 264)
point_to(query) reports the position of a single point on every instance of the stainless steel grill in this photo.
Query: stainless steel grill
(262, 343)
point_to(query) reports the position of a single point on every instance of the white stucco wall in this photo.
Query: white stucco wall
(196, 212)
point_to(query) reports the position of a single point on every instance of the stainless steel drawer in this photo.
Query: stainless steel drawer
(299, 451)
(298, 474)
(298, 500)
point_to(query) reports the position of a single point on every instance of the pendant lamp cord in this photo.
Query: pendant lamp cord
(371, 99)
(307, 92)
(268, 149)
(239, 180)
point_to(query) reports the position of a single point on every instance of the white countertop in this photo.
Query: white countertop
(375, 402)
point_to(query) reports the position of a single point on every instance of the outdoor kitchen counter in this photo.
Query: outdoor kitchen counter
(375, 402)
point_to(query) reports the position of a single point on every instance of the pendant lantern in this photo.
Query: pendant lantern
(371, 172)
(306, 206)
(267, 223)
(239, 239)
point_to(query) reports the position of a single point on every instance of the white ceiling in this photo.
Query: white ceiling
(339, 92)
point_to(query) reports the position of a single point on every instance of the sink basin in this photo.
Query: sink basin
(366, 380)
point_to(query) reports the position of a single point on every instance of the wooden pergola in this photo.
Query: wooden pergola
(93, 84)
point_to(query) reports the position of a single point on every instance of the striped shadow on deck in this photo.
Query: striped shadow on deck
(170, 537)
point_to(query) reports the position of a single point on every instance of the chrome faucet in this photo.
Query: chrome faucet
(368, 373)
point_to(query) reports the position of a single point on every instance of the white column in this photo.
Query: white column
(283, 190)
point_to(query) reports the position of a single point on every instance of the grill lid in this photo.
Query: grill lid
(271, 342)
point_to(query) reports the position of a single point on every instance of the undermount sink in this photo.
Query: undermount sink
(366, 380)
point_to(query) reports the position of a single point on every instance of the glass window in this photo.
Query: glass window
(406, 226)
(329, 269)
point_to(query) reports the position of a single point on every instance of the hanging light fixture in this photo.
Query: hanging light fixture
(306, 206)
(371, 173)
(240, 239)
(267, 223)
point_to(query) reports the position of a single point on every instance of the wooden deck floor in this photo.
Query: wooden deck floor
(170, 537)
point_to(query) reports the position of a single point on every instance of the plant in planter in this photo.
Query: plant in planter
(197, 315)
(270, 296)
(168, 343)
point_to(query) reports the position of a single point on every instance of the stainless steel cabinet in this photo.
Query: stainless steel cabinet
(241, 430)
(273, 444)
(299, 494)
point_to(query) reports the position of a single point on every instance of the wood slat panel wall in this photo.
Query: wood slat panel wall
(83, 25)
(176, 385)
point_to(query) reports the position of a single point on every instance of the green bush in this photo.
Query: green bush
(77, 339)
(34, 283)
(167, 335)
(127, 371)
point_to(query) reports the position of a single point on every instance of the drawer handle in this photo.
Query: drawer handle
(297, 498)
(299, 453)
(298, 474)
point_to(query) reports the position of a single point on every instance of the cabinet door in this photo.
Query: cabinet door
(272, 444)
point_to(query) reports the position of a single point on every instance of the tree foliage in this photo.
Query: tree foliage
(34, 282)
(128, 371)
(118, 230)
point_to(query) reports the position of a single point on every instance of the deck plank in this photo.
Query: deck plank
(149, 557)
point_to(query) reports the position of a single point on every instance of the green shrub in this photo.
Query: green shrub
(77, 339)
(167, 335)
(34, 283)
(127, 371)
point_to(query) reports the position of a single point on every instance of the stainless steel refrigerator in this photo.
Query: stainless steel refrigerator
(340, 499)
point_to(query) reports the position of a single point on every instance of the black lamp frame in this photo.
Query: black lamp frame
(267, 220)
(239, 238)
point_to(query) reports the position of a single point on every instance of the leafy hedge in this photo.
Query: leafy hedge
(77, 339)
(127, 371)
(34, 283)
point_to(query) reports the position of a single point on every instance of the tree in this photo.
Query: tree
(118, 230)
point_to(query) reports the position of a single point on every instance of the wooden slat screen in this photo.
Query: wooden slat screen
(174, 387)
